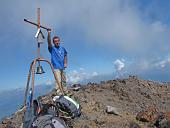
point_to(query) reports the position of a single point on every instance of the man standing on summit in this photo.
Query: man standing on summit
(58, 58)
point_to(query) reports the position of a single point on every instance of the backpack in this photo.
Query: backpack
(67, 104)
(44, 116)
(42, 109)
(48, 121)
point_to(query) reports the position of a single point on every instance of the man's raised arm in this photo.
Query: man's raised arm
(49, 40)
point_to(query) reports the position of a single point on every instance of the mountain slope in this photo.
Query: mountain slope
(129, 96)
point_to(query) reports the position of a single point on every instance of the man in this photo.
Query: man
(58, 58)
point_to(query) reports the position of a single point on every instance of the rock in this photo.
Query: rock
(10, 126)
(93, 117)
(165, 125)
(85, 126)
(150, 114)
(134, 125)
(6, 121)
(167, 116)
(76, 88)
(112, 110)
(99, 121)
(76, 85)
(163, 121)
(102, 82)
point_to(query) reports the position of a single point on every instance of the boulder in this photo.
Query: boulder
(112, 110)
(167, 116)
(150, 114)
(134, 125)
(6, 121)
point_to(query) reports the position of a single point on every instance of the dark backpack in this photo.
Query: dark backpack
(44, 116)
(48, 121)
(68, 105)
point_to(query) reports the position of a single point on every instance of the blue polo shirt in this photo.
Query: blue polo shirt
(57, 56)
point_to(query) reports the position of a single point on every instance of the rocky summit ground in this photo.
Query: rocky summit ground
(129, 98)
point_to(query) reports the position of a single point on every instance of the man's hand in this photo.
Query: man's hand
(65, 65)
(65, 61)
(49, 30)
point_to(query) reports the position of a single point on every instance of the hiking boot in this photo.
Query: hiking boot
(56, 92)
(68, 93)
(59, 93)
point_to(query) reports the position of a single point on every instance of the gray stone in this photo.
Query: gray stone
(112, 110)
(134, 125)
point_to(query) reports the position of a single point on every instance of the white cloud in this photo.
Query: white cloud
(94, 74)
(147, 65)
(74, 77)
(49, 82)
(163, 63)
(82, 69)
(119, 64)
(158, 26)
(80, 75)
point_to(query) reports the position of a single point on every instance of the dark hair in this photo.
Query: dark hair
(56, 37)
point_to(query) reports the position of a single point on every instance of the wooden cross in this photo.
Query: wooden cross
(38, 14)
(39, 34)
(37, 24)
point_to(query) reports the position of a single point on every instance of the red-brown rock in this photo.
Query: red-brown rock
(167, 116)
(150, 114)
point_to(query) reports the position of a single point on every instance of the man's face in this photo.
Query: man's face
(56, 42)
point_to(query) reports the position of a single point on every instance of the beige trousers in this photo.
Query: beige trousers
(60, 74)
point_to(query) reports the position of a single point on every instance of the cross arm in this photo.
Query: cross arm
(37, 24)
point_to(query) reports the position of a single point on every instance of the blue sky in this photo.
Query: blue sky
(102, 37)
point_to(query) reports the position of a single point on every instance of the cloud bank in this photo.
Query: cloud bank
(135, 30)
(118, 24)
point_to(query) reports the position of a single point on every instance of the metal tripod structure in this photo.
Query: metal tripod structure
(31, 75)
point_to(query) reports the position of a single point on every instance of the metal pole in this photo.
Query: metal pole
(38, 21)
(33, 76)
(38, 15)
(28, 81)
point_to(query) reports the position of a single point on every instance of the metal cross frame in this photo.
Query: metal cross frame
(34, 62)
